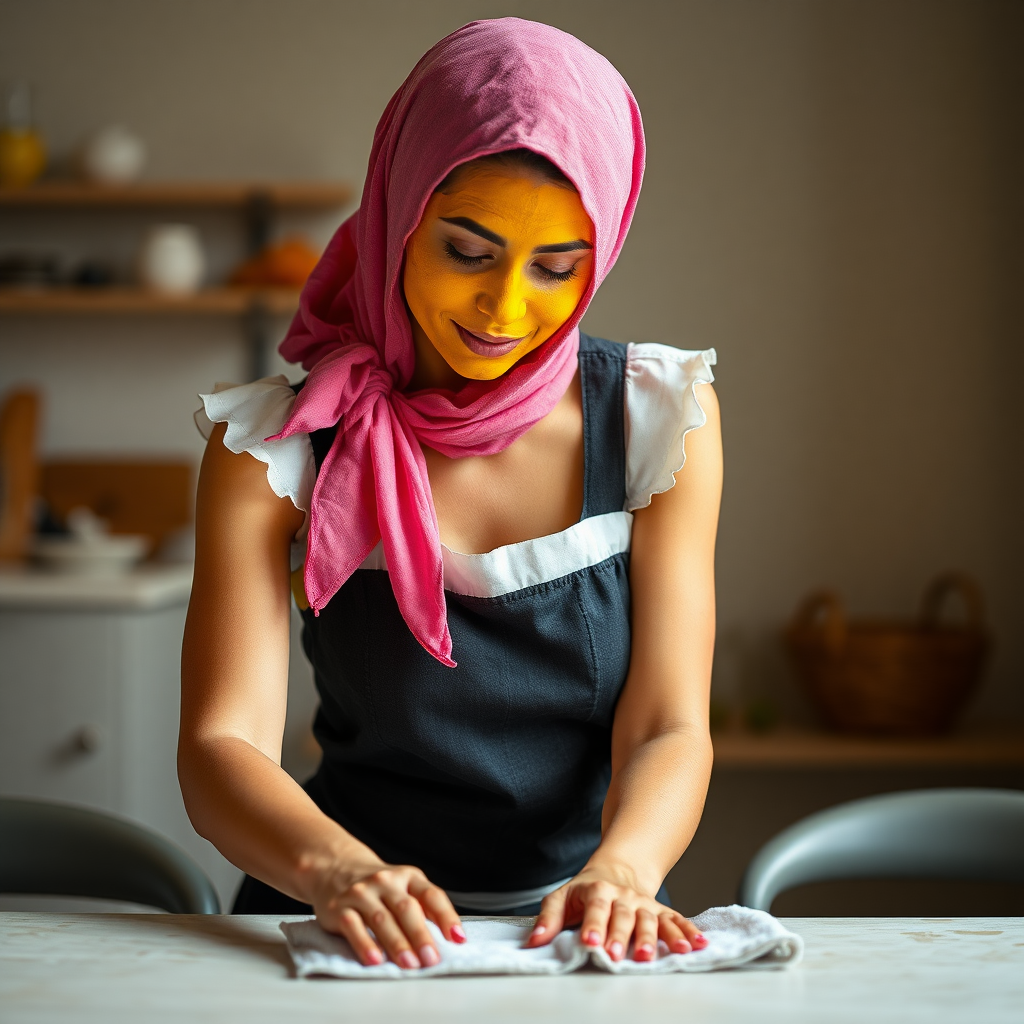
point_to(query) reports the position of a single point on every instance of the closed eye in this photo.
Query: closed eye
(556, 275)
(464, 258)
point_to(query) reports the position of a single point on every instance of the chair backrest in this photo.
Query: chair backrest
(60, 850)
(975, 834)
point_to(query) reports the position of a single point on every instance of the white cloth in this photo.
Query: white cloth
(737, 937)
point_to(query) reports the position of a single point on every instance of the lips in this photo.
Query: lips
(485, 345)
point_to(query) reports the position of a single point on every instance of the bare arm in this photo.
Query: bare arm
(234, 694)
(661, 747)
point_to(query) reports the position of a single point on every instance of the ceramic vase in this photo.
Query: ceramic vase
(172, 259)
(113, 156)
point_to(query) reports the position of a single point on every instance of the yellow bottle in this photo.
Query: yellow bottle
(22, 157)
(22, 152)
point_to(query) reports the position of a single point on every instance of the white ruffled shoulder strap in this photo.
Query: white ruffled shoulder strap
(661, 409)
(257, 411)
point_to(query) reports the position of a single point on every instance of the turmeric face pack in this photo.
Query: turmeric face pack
(496, 265)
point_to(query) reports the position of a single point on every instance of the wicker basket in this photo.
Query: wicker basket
(890, 677)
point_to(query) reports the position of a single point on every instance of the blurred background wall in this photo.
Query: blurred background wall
(833, 200)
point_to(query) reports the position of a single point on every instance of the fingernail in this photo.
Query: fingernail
(592, 939)
(699, 942)
(458, 934)
(681, 946)
(644, 952)
(428, 956)
(615, 949)
(407, 959)
(539, 930)
(373, 957)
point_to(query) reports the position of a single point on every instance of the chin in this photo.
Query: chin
(488, 371)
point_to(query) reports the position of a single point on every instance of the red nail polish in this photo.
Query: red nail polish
(408, 960)
(681, 946)
(644, 952)
(699, 942)
(458, 934)
(373, 957)
(592, 939)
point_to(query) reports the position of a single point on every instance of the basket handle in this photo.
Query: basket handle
(822, 612)
(938, 593)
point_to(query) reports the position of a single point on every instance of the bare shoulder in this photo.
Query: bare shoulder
(696, 494)
(708, 399)
(234, 496)
(703, 445)
(234, 669)
(672, 588)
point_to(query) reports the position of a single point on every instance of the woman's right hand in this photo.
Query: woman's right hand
(394, 901)
(234, 683)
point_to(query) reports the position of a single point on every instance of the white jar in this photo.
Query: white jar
(172, 259)
(113, 156)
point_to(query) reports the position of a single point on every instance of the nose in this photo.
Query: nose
(506, 303)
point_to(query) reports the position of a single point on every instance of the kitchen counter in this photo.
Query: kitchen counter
(89, 697)
(86, 968)
(149, 587)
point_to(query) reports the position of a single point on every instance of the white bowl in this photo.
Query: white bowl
(99, 556)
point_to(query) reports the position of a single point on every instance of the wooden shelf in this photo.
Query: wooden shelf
(792, 748)
(256, 201)
(310, 194)
(141, 300)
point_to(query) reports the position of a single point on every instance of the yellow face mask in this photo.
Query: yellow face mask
(495, 267)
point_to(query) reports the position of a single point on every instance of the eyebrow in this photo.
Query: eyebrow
(564, 246)
(478, 229)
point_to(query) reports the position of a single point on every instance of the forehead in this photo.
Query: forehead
(511, 201)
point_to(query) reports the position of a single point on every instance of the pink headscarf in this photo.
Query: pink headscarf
(489, 86)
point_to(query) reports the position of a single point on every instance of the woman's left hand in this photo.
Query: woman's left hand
(612, 911)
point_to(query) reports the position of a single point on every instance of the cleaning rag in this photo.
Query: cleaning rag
(737, 937)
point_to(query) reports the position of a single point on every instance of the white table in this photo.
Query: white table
(104, 968)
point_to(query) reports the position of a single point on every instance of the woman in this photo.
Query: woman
(506, 575)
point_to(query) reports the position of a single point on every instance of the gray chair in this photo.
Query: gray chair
(971, 834)
(59, 850)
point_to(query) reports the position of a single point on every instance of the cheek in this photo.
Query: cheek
(451, 292)
(432, 291)
(554, 308)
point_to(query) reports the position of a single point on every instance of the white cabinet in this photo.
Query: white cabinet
(89, 693)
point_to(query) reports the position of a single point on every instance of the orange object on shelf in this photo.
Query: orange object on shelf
(284, 264)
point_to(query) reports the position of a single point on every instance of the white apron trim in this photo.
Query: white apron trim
(515, 567)
(498, 902)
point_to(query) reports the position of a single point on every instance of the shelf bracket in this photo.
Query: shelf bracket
(257, 323)
(259, 209)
